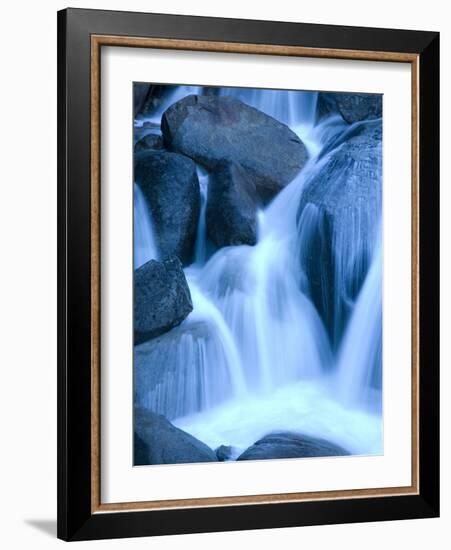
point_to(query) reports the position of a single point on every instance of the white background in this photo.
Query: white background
(120, 482)
(28, 274)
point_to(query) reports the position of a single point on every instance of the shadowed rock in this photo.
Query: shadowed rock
(140, 92)
(182, 371)
(157, 441)
(161, 298)
(352, 107)
(212, 129)
(171, 189)
(149, 142)
(231, 214)
(224, 452)
(149, 99)
(291, 445)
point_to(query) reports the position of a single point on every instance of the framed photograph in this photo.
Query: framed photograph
(248, 274)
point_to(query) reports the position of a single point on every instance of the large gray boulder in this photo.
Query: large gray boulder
(290, 445)
(338, 221)
(212, 129)
(231, 214)
(157, 441)
(161, 298)
(352, 107)
(170, 187)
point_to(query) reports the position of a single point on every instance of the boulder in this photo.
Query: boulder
(161, 298)
(224, 453)
(366, 133)
(140, 450)
(231, 213)
(140, 132)
(157, 441)
(149, 141)
(338, 220)
(291, 445)
(352, 107)
(211, 129)
(170, 187)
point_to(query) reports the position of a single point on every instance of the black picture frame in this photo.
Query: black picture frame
(76, 519)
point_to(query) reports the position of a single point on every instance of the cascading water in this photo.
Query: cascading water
(254, 355)
(181, 380)
(359, 366)
(290, 107)
(145, 248)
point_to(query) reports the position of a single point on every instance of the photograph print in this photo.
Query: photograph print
(257, 274)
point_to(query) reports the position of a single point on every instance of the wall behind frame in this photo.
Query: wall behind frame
(28, 275)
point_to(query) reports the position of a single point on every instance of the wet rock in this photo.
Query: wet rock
(150, 124)
(162, 298)
(153, 98)
(170, 187)
(231, 214)
(352, 107)
(157, 441)
(338, 220)
(224, 452)
(211, 129)
(149, 142)
(291, 445)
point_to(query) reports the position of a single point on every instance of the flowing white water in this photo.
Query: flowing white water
(196, 366)
(308, 407)
(265, 361)
(145, 248)
(359, 365)
(200, 252)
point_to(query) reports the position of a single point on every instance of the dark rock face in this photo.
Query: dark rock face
(170, 186)
(161, 298)
(231, 214)
(212, 129)
(291, 445)
(326, 106)
(157, 441)
(149, 99)
(140, 132)
(224, 452)
(140, 450)
(140, 91)
(150, 141)
(338, 220)
(352, 107)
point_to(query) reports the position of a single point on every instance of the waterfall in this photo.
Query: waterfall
(276, 329)
(360, 357)
(254, 355)
(144, 245)
(193, 367)
(290, 107)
